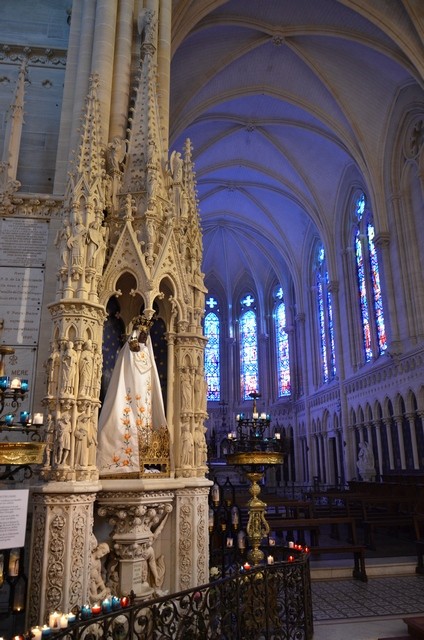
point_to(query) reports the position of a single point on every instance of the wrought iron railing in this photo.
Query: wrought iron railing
(270, 602)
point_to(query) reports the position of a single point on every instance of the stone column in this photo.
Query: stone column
(103, 58)
(61, 549)
(81, 86)
(121, 71)
(314, 457)
(411, 421)
(164, 67)
(71, 76)
(399, 425)
(379, 449)
(191, 537)
(325, 462)
(304, 381)
(382, 244)
(305, 459)
(387, 423)
(333, 288)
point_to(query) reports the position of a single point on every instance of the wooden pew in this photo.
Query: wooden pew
(313, 526)
(358, 551)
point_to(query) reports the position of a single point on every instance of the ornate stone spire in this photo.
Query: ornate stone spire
(82, 239)
(145, 158)
(88, 168)
(12, 138)
(75, 363)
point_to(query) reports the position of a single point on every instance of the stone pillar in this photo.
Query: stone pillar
(164, 66)
(170, 398)
(326, 463)
(13, 128)
(399, 425)
(61, 549)
(411, 420)
(81, 86)
(379, 449)
(72, 68)
(121, 71)
(304, 380)
(103, 58)
(387, 423)
(191, 537)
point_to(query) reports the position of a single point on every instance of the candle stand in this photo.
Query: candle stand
(16, 456)
(253, 449)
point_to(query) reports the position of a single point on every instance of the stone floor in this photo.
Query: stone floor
(361, 629)
(347, 609)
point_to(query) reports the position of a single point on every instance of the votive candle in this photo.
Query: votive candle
(54, 620)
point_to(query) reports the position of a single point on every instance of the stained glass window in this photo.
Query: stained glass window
(325, 318)
(249, 370)
(282, 344)
(212, 351)
(368, 274)
(378, 301)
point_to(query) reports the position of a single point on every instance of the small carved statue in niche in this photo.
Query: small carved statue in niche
(200, 447)
(187, 445)
(62, 242)
(86, 369)
(81, 441)
(77, 244)
(97, 371)
(52, 370)
(91, 442)
(98, 588)
(153, 568)
(96, 250)
(116, 153)
(186, 390)
(365, 462)
(62, 445)
(69, 366)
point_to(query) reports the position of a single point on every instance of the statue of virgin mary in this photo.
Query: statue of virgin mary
(132, 421)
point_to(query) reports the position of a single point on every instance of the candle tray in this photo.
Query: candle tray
(22, 452)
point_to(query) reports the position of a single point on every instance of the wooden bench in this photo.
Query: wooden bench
(359, 572)
(419, 542)
(389, 521)
(313, 527)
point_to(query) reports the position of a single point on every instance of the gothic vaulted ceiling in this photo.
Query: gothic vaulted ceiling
(281, 98)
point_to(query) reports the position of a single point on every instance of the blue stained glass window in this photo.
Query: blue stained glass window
(368, 274)
(324, 359)
(378, 301)
(325, 318)
(282, 344)
(212, 354)
(360, 270)
(331, 329)
(249, 369)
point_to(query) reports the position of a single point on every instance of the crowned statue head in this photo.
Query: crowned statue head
(140, 332)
